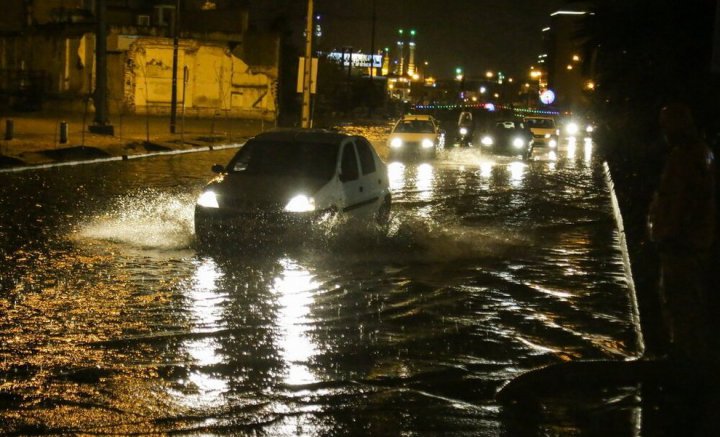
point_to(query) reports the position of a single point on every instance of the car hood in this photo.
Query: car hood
(542, 130)
(507, 133)
(240, 190)
(410, 137)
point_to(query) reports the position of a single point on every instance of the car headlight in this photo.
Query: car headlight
(553, 143)
(208, 199)
(396, 143)
(571, 128)
(589, 129)
(486, 141)
(518, 143)
(547, 135)
(463, 131)
(300, 203)
(427, 143)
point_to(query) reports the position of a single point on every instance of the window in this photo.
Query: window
(349, 164)
(367, 162)
(143, 20)
(165, 15)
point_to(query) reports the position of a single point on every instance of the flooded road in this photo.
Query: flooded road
(112, 322)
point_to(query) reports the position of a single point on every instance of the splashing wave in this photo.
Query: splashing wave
(147, 219)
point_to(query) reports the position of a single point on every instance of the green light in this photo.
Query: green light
(412, 32)
(400, 31)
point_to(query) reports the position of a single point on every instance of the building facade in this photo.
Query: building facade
(569, 76)
(47, 53)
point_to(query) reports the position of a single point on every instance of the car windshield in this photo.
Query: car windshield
(545, 123)
(415, 126)
(313, 160)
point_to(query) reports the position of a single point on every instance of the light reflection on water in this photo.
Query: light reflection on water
(517, 173)
(206, 304)
(480, 279)
(294, 288)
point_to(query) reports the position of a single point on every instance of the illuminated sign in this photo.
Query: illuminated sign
(547, 97)
(358, 59)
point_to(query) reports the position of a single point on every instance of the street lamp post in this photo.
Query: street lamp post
(307, 70)
(173, 93)
(102, 124)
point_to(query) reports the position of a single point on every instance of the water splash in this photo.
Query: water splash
(148, 219)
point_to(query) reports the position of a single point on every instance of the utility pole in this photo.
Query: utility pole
(173, 92)
(101, 124)
(372, 42)
(307, 71)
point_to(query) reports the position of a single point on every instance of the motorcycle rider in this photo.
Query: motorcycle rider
(465, 128)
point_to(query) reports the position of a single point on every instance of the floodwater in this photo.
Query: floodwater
(111, 321)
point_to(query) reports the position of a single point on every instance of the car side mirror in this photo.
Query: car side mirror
(217, 168)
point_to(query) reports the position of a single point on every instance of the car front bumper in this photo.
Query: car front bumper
(212, 224)
(411, 150)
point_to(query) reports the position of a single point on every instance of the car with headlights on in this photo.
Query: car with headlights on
(508, 137)
(294, 178)
(578, 128)
(544, 130)
(415, 136)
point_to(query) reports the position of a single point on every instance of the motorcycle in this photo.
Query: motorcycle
(464, 136)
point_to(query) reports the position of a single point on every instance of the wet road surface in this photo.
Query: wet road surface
(113, 322)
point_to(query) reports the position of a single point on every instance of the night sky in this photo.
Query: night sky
(478, 35)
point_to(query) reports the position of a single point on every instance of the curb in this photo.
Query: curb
(118, 158)
(635, 311)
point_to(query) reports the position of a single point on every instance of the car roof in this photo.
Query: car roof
(302, 136)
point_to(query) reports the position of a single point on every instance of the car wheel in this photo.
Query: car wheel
(382, 216)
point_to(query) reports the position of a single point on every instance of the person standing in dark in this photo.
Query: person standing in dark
(682, 224)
